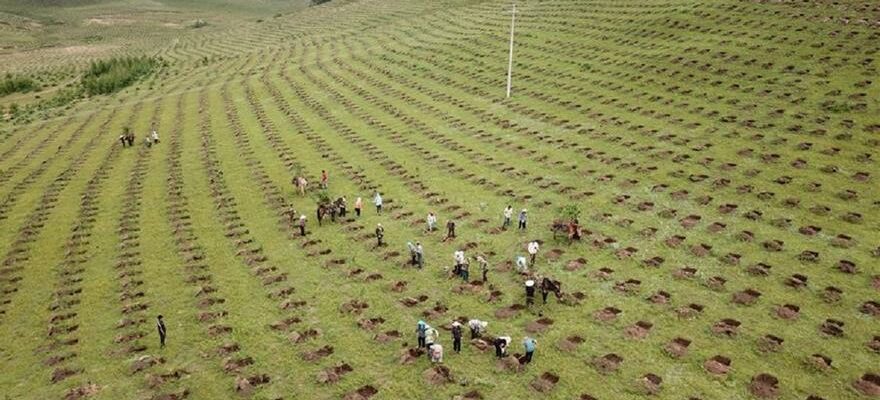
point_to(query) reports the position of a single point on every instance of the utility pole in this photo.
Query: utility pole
(510, 59)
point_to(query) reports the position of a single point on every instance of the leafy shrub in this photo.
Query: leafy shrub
(108, 76)
(12, 84)
(570, 212)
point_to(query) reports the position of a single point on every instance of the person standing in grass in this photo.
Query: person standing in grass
(432, 222)
(413, 256)
(523, 219)
(431, 335)
(484, 267)
(160, 326)
(456, 336)
(325, 179)
(450, 229)
(530, 292)
(377, 200)
(341, 204)
(154, 135)
(380, 234)
(501, 344)
(522, 266)
(533, 248)
(529, 344)
(477, 327)
(358, 204)
(508, 214)
(302, 225)
(421, 331)
(420, 255)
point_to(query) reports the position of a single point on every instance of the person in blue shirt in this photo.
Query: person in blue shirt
(523, 219)
(421, 330)
(529, 344)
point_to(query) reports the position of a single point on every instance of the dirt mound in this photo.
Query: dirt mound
(639, 330)
(410, 356)
(318, 354)
(60, 374)
(539, 326)
(333, 374)
(510, 311)
(398, 286)
(788, 311)
(387, 336)
(717, 365)
(770, 343)
(607, 314)
(179, 395)
(746, 297)
(370, 323)
(303, 336)
(868, 384)
(602, 274)
(545, 383)
(832, 294)
(832, 327)
(144, 362)
(764, 386)
(726, 327)
(871, 308)
(246, 386)
(80, 392)
(576, 264)
(607, 363)
(227, 348)
(819, 362)
(678, 347)
(354, 306)
(874, 344)
(236, 364)
(570, 343)
(157, 380)
(660, 297)
(689, 311)
(438, 375)
(509, 363)
(363, 393)
(650, 384)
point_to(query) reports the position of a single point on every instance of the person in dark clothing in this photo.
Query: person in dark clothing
(456, 337)
(380, 234)
(501, 344)
(550, 286)
(160, 326)
(302, 225)
(530, 292)
(450, 229)
(421, 330)
(319, 213)
(341, 204)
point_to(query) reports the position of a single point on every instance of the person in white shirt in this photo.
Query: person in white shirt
(533, 251)
(432, 222)
(477, 327)
(154, 135)
(522, 266)
(508, 214)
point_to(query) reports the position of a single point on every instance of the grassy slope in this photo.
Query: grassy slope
(606, 96)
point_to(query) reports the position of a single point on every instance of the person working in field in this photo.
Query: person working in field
(432, 222)
(456, 336)
(431, 336)
(160, 326)
(477, 327)
(484, 267)
(523, 219)
(529, 345)
(533, 248)
(358, 204)
(522, 265)
(302, 225)
(325, 179)
(420, 255)
(380, 234)
(508, 214)
(450, 229)
(530, 292)
(340, 203)
(154, 134)
(501, 345)
(377, 200)
(550, 286)
(421, 332)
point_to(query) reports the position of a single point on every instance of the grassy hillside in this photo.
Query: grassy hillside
(721, 154)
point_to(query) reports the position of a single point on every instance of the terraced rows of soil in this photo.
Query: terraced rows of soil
(721, 154)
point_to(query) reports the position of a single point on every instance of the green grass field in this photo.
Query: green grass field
(721, 154)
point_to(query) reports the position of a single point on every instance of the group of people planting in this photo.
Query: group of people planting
(127, 137)
(428, 336)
